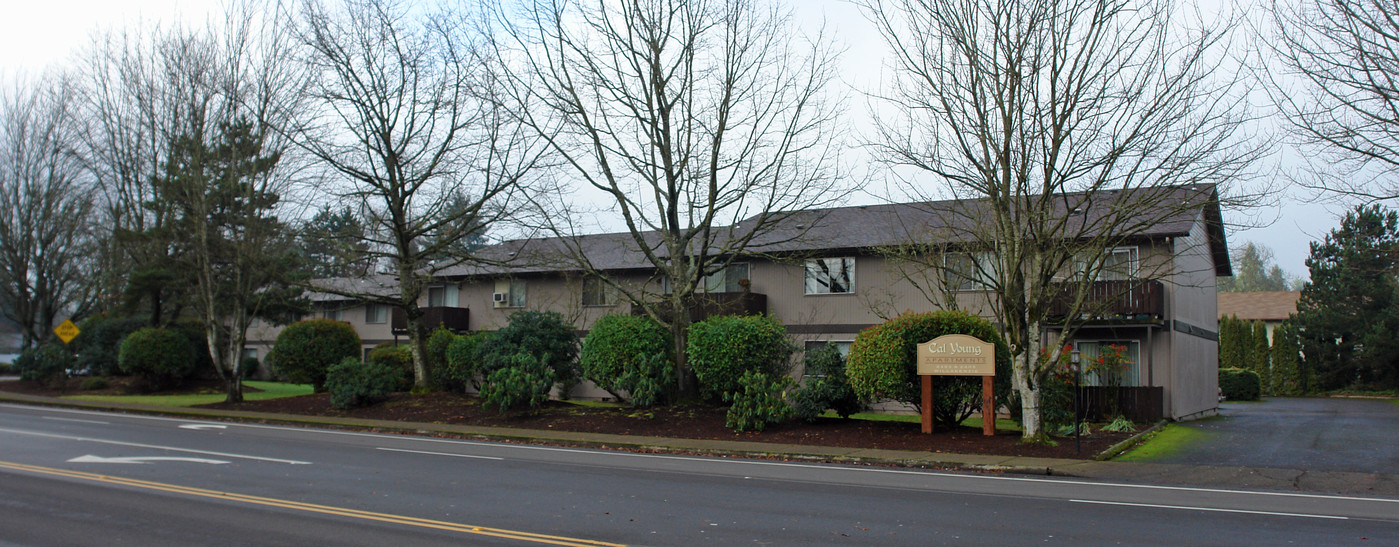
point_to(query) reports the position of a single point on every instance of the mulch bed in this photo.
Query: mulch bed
(684, 421)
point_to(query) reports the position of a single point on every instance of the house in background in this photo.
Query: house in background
(827, 274)
(1272, 308)
(371, 321)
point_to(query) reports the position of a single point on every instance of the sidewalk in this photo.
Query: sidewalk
(1142, 473)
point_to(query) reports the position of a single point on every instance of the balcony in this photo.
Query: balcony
(455, 319)
(1126, 300)
(705, 305)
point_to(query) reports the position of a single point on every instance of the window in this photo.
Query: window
(597, 293)
(375, 313)
(813, 345)
(248, 353)
(514, 290)
(331, 313)
(436, 297)
(1089, 352)
(1119, 264)
(726, 279)
(970, 271)
(830, 275)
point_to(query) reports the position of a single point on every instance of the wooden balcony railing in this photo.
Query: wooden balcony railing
(455, 319)
(705, 305)
(1131, 299)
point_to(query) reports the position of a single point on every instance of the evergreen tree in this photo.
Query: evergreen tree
(1287, 365)
(1254, 271)
(333, 244)
(1348, 313)
(1259, 359)
(1235, 339)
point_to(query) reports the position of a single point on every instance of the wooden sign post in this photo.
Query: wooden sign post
(958, 355)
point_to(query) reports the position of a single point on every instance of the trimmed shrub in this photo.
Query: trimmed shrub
(399, 358)
(1239, 385)
(758, 402)
(1259, 360)
(463, 363)
(353, 384)
(883, 364)
(305, 350)
(632, 354)
(47, 364)
(161, 358)
(1287, 366)
(438, 343)
(98, 343)
(522, 380)
(824, 386)
(722, 348)
(545, 335)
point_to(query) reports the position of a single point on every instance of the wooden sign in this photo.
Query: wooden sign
(956, 355)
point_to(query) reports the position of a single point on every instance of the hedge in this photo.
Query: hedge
(305, 350)
(397, 357)
(161, 358)
(724, 347)
(354, 384)
(629, 354)
(98, 344)
(47, 364)
(463, 363)
(1239, 385)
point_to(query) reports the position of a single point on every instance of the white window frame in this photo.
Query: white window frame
(813, 284)
(438, 293)
(375, 314)
(1088, 349)
(726, 280)
(1133, 262)
(979, 275)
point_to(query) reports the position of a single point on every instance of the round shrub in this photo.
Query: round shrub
(305, 350)
(438, 343)
(522, 380)
(824, 386)
(1240, 385)
(353, 384)
(463, 363)
(545, 335)
(758, 402)
(723, 347)
(99, 342)
(396, 357)
(161, 358)
(883, 364)
(47, 364)
(632, 354)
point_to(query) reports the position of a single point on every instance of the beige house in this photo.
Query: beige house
(371, 321)
(1272, 307)
(828, 276)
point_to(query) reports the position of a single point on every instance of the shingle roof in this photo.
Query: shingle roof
(1260, 306)
(863, 227)
(334, 289)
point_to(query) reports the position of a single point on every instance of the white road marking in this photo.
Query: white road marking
(56, 418)
(1213, 509)
(201, 427)
(440, 453)
(141, 459)
(153, 446)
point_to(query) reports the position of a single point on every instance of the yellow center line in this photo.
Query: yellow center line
(313, 508)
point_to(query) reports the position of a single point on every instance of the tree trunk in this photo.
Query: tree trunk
(1030, 418)
(235, 387)
(418, 347)
(685, 379)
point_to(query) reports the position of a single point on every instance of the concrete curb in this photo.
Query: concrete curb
(1112, 451)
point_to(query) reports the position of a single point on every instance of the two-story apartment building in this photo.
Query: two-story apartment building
(828, 274)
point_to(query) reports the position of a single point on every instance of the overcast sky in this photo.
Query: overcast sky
(35, 34)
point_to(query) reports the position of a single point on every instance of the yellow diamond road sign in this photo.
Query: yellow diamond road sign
(66, 331)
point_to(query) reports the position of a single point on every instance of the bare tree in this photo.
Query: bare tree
(1338, 91)
(701, 123)
(1062, 129)
(45, 230)
(409, 120)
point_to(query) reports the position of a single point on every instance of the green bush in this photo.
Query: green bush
(95, 383)
(161, 358)
(758, 402)
(248, 368)
(463, 363)
(632, 354)
(824, 386)
(47, 364)
(722, 348)
(193, 332)
(305, 350)
(438, 343)
(1259, 360)
(1239, 385)
(545, 335)
(98, 343)
(396, 357)
(883, 364)
(522, 380)
(1287, 366)
(353, 384)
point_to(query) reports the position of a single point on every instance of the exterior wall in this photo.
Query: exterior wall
(262, 335)
(1192, 368)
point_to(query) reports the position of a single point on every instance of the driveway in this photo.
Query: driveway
(1354, 435)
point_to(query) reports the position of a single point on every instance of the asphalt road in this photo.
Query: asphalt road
(1356, 435)
(231, 483)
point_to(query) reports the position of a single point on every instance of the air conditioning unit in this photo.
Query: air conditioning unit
(500, 298)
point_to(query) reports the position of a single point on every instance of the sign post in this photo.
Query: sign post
(958, 355)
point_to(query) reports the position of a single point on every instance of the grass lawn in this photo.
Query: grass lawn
(1166, 442)
(270, 390)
